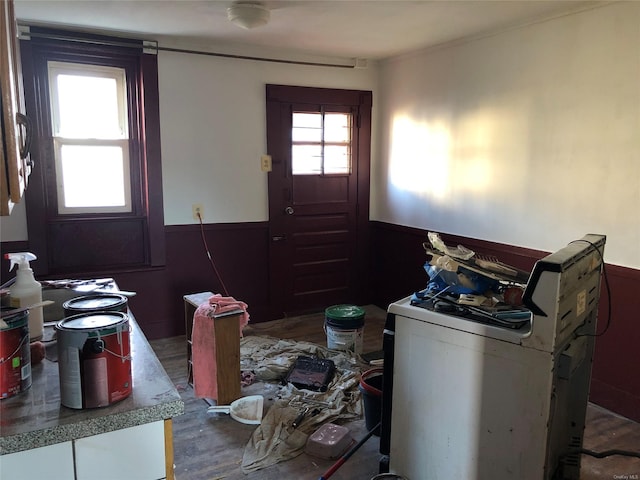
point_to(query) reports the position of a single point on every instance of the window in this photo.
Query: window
(90, 138)
(321, 143)
(94, 203)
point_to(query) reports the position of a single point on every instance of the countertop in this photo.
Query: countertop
(35, 418)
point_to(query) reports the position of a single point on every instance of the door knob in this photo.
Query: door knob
(288, 210)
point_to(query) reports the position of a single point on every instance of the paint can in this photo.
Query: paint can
(15, 355)
(101, 302)
(94, 359)
(344, 326)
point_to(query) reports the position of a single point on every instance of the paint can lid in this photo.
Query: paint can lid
(344, 313)
(86, 303)
(92, 321)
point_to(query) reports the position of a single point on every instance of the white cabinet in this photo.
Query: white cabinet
(54, 462)
(135, 453)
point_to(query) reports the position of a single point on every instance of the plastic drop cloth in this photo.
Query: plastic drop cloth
(275, 440)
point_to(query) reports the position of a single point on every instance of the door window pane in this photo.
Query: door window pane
(307, 127)
(308, 159)
(337, 127)
(321, 143)
(337, 158)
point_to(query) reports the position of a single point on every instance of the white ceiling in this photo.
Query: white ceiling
(371, 29)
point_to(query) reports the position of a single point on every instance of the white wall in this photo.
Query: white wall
(529, 137)
(14, 227)
(213, 130)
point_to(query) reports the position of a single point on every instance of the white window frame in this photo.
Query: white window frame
(121, 140)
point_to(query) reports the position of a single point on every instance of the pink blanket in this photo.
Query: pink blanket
(203, 348)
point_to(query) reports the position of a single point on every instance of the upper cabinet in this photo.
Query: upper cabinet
(16, 133)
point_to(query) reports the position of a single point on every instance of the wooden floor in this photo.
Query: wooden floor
(210, 447)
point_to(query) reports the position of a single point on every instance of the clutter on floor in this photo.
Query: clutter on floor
(330, 441)
(246, 410)
(311, 373)
(293, 413)
(326, 475)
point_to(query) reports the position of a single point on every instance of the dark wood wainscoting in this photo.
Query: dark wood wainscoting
(397, 272)
(397, 262)
(615, 382)
(399, 258)
(240, 251)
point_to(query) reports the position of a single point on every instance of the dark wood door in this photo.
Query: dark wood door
(318, 196)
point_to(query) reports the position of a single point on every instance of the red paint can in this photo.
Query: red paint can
(94, 359)
(15, 355)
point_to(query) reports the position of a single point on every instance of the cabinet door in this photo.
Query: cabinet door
(131, 453)
(54, 462)
(15, 131)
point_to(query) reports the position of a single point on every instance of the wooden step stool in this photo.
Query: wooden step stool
(227, 341)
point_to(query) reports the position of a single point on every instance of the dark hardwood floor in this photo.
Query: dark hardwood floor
(210, 447)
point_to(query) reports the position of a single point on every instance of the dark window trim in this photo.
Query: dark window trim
(147, 217)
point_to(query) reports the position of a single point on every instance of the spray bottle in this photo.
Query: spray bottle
(26, 291)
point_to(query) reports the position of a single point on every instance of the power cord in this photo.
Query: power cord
(606, 283)
(213, 264)
(608, 453)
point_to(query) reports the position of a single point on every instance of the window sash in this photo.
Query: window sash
(57, 69)
(124, 169)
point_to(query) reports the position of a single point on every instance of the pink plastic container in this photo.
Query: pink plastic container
(329, 441)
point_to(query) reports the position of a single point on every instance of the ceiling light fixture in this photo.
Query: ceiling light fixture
(248, 14)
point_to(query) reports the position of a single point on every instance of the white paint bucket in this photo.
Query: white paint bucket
(344, 326)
